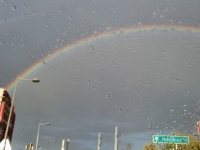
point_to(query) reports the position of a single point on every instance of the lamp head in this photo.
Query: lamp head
(35, 80)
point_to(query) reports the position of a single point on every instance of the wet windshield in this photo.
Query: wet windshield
(113, 74)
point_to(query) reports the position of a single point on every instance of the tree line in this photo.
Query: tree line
(194, 144)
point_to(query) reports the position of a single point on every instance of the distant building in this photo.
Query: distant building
(5, 105)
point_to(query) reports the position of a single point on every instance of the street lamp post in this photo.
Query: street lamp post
(48, 143)
(68, 140)
(40, 124)
(12, 104)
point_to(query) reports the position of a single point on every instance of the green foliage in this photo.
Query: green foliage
(128, 147)
(150, 146)
(194, 144)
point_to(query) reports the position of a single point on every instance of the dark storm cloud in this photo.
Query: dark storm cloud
(143, 88)
(143, 82)
(27, 31)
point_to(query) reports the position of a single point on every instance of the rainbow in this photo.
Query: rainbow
(107, 33)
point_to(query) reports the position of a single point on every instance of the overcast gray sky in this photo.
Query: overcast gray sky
(145, 82)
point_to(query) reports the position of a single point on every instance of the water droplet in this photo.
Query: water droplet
(70, 17)
(176, 80)
(13, 7)
(108, 28)
(161, 16)
(190, 66)
(129, 47)
(148, 84)
(154, 14)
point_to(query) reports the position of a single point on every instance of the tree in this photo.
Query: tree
(150, 146)
(128, 146)
(194, 144)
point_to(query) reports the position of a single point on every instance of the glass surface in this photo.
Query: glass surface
(102, 64)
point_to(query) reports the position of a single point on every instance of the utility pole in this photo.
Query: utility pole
(63, 145)
(99, 142)
(67, 141)
(116, 139)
